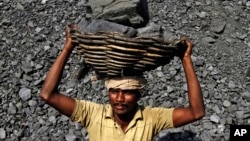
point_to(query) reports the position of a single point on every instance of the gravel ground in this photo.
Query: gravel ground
(31, 36)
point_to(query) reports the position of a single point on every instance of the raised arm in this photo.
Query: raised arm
(49, 92)
(195, 110)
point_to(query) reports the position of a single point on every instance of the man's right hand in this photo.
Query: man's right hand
(69, 44)
(186, 51)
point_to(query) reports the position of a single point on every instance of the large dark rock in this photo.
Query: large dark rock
(106, 26)
(127, 12)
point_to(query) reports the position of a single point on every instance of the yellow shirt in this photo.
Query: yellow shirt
(98, 119)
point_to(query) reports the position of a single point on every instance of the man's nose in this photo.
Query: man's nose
(120, 96)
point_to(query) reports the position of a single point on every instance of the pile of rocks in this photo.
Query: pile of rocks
(31, 36)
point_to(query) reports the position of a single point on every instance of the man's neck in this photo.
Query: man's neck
(124, 120)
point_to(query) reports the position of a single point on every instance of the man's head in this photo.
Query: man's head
(124, 92)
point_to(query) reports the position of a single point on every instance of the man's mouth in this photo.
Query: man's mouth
(120, 106)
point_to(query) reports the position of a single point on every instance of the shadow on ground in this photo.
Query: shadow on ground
(180, 136)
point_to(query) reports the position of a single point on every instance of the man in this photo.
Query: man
(123, 119)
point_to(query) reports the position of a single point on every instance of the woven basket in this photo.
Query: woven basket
(113, 54)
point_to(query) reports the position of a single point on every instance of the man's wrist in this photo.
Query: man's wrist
(186, 58)
(68, 47)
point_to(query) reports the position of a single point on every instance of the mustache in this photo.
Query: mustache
(120, 104)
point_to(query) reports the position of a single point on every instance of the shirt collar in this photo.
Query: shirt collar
(109, 112)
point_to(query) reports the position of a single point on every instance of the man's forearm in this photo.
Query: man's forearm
(194, 90)
(53, 78)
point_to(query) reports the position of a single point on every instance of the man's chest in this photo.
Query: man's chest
(108, 130)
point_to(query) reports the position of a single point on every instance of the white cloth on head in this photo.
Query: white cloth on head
(126, 83)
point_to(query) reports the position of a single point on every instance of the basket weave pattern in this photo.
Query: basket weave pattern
(113, 54)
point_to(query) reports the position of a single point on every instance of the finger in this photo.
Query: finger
(183, 38)
(67, 31)
(72, 26)
(187, 41)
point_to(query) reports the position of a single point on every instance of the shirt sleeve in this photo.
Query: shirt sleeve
(83, 112)
(163, 118)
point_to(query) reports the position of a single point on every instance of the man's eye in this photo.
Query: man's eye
(114, 91)
(128, 92)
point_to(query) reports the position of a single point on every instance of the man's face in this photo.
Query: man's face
(123, 101)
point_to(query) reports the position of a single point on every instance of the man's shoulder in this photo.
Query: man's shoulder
(150, 109)
(88, 103)
(91, 107)
(158, 115)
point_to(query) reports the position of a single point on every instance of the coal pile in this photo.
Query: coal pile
(32, 35)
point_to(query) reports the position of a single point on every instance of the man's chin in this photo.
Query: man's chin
(120, 112)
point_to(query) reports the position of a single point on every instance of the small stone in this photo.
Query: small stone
(52, 119)
(248, 69)
(246, 95)
(198, 3)
(38, 30)
(38, 66)
(19, 132)
(14, 63)
(229, 120)
(54, 52)
(37, 82)
(205, 136)
(19, 6)
(172, 71)
(208, 125)
(215, 118)
(239, 114)
(69, 90)
(226, 103)
(248, 4)
(12, 109)
(18, 75)
(217, 95)
(159, 74)
(32, 103)
(27, 67)
(5, 22)
(30, 24)
(163, 133)
(208, 2)
(41, 121)
(70, 137)
(201, 14)
(2, 133)
(216, 109)
(64, 118)
(199, 63)
(184, 87)
(218, 25)
(231, 85)
(24, 93)
(221, 128)
(44, 1)
(46, 48)
(208, 40)
(27, 77)
(84, 131)
(170, 89)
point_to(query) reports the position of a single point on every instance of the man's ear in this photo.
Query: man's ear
(138, 95)
(138, 98)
